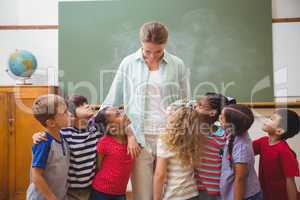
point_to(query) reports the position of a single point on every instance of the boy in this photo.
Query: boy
(278, 164)
(50, 162)
(81, 138)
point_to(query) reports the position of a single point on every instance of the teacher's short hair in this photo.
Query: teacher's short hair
(154, 32)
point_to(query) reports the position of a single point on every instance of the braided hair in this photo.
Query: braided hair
(238, 119)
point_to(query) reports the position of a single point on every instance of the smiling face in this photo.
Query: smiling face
(152, 52)
(117, 121)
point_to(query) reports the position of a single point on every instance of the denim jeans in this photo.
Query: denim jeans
(95, 195)
(257, 196)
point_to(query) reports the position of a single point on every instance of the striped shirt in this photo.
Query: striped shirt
(83, 155)
(209, 172)
(180, 183)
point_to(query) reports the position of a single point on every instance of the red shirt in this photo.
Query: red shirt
(276, 163)
(114, 172)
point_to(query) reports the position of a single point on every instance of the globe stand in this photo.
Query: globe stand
(22, 79)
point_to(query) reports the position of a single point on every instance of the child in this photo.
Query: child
(81, 140)
(238, 180)
(111, 180)
(50, 163)
(278, 164)
(177, 152)
(208, 173)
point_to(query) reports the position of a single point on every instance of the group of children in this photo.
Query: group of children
(205, 152)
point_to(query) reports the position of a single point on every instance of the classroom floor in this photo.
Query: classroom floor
(129, 195)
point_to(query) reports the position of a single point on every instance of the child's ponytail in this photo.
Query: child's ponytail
(238, 119)
(230, 148)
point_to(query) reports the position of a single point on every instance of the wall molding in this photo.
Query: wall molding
(286, 20)
(29, 27)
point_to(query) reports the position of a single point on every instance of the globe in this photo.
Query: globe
(22, 64)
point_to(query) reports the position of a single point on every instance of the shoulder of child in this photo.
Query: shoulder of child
(42, 145)
(242, 151)
(40, 153)
(69, 131)
(105, 139)
(162, 149)
(261, 139)
(286, 150)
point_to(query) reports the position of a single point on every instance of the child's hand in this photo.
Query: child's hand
(38, 137)
(133, 147)
(52, 198)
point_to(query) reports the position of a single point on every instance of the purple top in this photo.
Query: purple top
(242, 152)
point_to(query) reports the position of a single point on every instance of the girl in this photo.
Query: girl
(111, 180)
(238, 180)
(208, 173)
(177, 152)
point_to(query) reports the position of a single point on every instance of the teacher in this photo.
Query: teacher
(146, 82)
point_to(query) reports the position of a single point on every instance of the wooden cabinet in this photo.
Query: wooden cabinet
(17, 125)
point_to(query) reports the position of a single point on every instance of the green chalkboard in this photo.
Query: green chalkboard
(226, 44)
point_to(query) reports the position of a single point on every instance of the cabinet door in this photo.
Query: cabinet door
(3, 147)
(20, 146)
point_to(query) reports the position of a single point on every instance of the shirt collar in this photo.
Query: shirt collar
(139, 56)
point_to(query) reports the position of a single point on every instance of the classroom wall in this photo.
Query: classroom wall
(286, 48)
(285, 9)
(42, 43)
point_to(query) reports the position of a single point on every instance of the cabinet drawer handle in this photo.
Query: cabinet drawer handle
(11, 125)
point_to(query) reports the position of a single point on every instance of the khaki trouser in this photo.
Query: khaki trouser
(143, 169)
(79, 194)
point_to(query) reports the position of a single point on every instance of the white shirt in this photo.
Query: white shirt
(180, 183)
(155, 116)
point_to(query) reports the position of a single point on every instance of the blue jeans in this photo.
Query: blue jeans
(257, 196)
(95, 195)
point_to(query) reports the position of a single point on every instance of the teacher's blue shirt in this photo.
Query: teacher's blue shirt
(128, 87)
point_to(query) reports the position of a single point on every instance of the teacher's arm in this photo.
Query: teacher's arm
(116, 93)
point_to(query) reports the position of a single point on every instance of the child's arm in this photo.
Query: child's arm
(99, 160)
(240, 171)
(291, 188)
(256, 146)
(38, 137)
(41, 184)
(159, 177)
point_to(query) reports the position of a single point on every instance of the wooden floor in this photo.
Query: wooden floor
(129, 195)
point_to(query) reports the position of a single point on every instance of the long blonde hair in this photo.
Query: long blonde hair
(183, 134)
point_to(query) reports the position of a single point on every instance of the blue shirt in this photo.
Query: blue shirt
(53, 157)
(128, 87)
